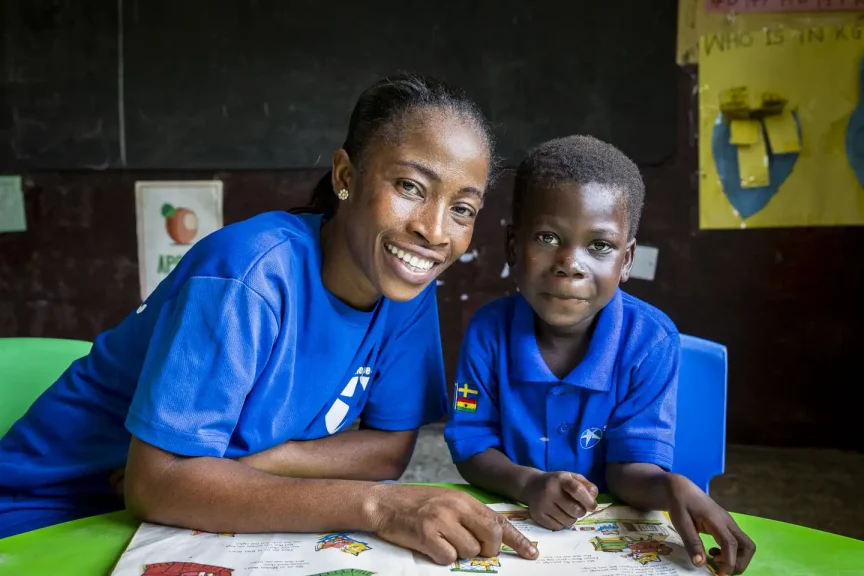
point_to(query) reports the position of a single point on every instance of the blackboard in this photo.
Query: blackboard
(269, 84)
(58, 84)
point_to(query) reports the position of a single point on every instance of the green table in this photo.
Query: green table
(91, 546)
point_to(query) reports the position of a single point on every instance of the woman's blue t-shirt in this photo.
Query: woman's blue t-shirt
(239, 349)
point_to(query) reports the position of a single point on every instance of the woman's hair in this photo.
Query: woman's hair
(378, 115)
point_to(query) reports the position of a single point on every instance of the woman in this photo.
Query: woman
(223, 394)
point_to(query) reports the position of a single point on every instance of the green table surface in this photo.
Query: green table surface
(91, 547)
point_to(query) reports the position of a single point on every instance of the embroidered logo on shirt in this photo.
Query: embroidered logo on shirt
(590, 437)
(335, 418)
(464, 401)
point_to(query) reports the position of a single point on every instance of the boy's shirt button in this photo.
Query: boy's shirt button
(563, 428)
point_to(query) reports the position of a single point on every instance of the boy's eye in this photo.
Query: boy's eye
(548, 238)
(464, 211)
(601, 246)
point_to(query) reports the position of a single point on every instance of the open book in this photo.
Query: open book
(616, 540)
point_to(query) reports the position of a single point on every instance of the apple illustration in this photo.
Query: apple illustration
(180, 223)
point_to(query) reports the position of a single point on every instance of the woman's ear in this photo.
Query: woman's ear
(344, 176)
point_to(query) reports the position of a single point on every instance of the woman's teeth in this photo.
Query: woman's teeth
(412, 259)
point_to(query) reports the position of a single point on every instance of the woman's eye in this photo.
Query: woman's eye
(408, 187)
(548, 238)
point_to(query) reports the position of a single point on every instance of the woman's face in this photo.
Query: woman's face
(411, 209)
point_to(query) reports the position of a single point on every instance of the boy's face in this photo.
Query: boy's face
(571, 251)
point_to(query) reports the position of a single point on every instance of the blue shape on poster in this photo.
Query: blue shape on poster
(855, 136)
(749, 201)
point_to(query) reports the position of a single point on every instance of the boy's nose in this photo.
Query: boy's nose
(568, 265)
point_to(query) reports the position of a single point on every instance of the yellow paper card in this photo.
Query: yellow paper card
(735, 102)
(782, 133)
(744, 132)
(753, 163)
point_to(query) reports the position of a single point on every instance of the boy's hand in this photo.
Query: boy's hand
(693, 512)
(443, 524)
(557, 499)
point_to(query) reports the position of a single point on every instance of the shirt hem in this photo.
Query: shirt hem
(180, 443)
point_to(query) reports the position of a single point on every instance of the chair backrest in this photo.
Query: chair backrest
(700, 436)
(28, 366)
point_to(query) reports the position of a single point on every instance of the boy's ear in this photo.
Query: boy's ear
(511, 246)
(629, 254)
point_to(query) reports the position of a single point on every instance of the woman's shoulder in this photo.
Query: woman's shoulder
(271, 240)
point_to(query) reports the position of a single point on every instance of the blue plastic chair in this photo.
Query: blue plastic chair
(700, 436)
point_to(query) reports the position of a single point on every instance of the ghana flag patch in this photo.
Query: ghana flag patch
(465, 401)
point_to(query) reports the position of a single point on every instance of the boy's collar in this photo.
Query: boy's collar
(594, 372)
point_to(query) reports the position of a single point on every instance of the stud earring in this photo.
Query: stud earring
(343, 194)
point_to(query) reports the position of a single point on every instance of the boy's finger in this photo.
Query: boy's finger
(689, 535)
(516, 540)
(746, 549)
(592, 488)
(564, 513)
(571, 511)
(579, 492)
(728, 548)
(549, 522)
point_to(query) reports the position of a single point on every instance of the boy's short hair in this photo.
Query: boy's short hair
(580, 160)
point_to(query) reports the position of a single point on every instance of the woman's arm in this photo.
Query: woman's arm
(364, 454)
(221, 495)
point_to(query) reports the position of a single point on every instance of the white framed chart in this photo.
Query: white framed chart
(171, 217)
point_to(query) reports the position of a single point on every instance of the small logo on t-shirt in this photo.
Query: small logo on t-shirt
(590, 437)
(141, 308)
(336, 416)
(464, 400)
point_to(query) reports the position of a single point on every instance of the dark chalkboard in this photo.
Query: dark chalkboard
(58, 84)
(221, 84)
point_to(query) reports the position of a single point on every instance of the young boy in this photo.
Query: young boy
(569, 387)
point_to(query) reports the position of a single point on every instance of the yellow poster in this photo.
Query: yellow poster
(781, 130)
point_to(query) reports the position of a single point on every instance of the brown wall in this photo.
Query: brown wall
(787, 303)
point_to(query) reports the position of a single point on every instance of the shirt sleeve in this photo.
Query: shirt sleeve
(642, 427)
(209, 346)
(474, 423)
(409, 389)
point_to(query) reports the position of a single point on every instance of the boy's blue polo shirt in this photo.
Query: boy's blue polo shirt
(617, 405)
(239, 349)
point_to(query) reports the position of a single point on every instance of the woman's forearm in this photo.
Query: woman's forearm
(222, 495)
(364, 454)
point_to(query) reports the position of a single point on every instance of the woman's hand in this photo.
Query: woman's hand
(443, 524)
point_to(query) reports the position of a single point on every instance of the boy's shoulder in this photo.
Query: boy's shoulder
(493, 317)
(643, 322)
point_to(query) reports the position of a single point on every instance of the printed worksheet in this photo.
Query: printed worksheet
(616, 540)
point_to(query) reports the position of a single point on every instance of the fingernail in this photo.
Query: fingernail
(697, 560)
(532, 550)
